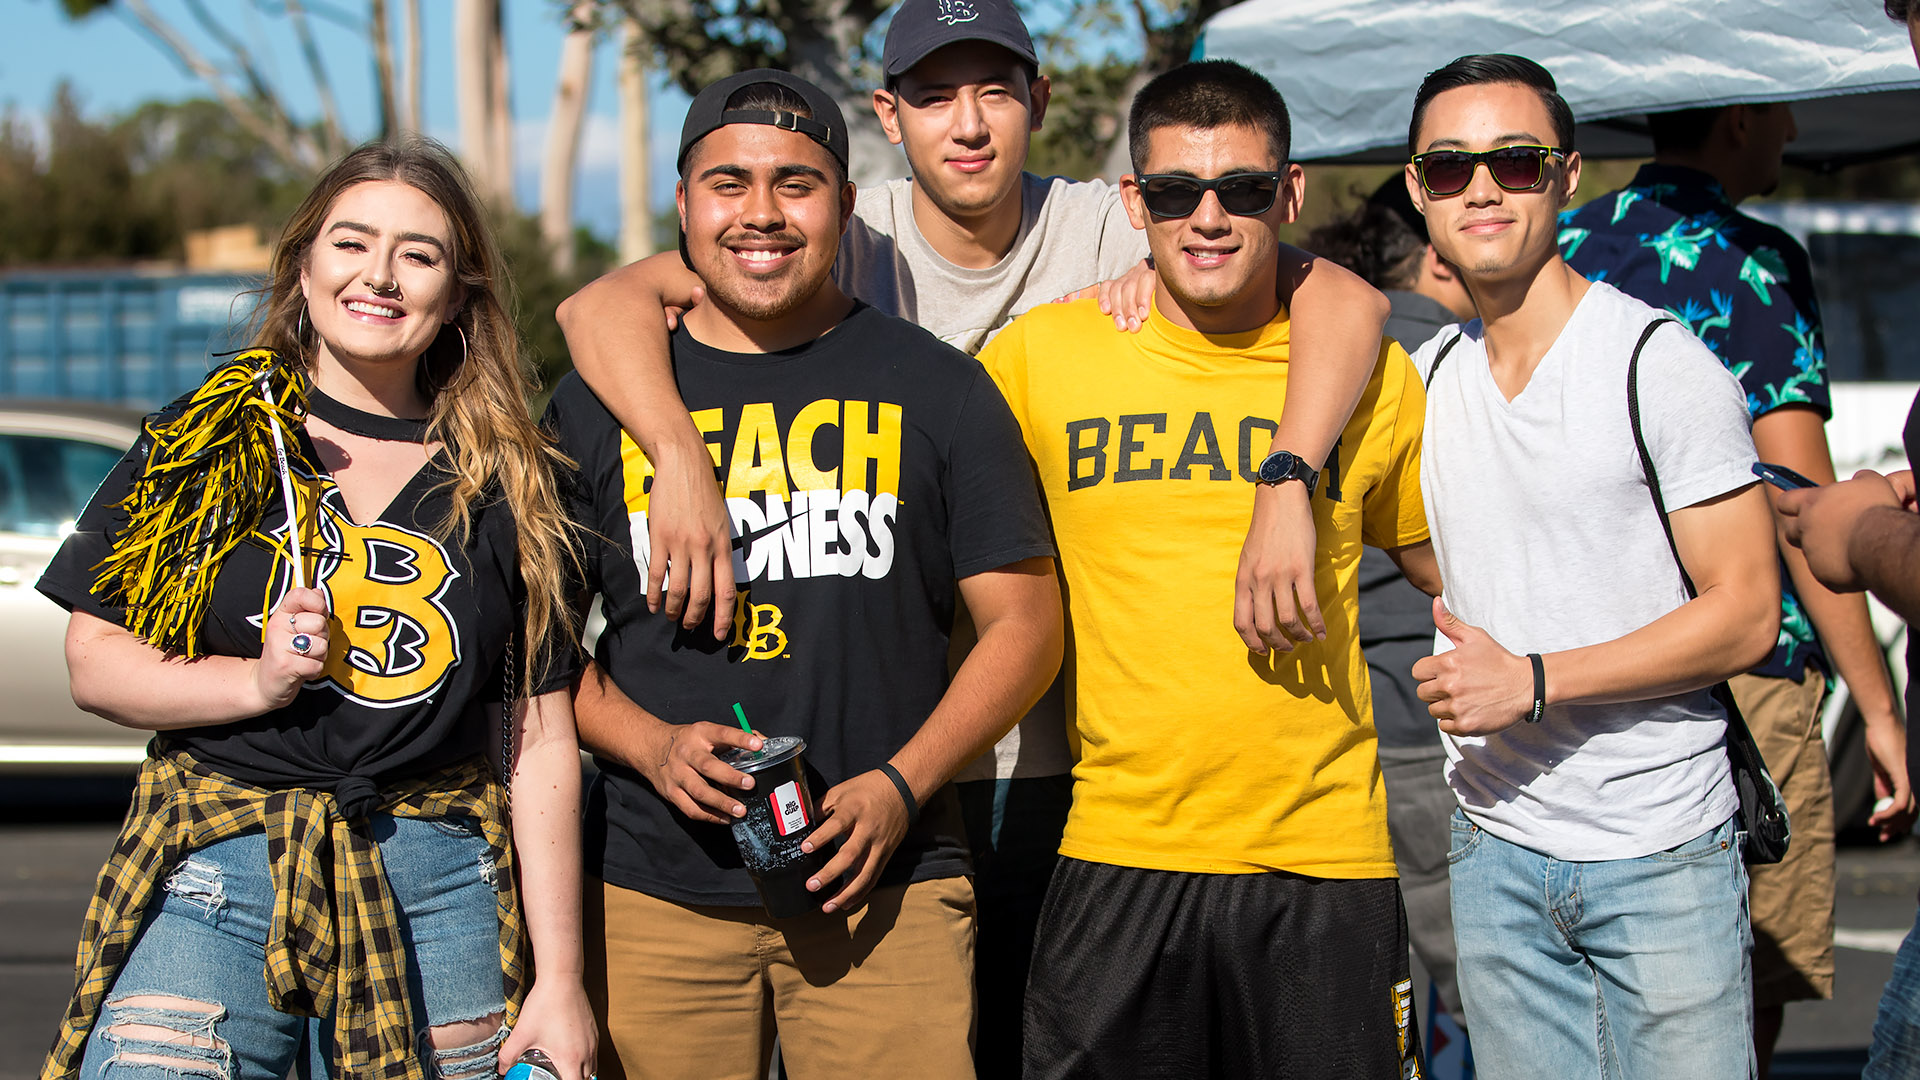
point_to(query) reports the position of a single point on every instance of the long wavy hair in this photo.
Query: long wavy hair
(479, 388)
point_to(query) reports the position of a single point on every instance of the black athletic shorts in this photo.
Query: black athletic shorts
(1148, 973)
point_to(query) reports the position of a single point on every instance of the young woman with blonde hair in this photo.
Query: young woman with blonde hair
(317, 870)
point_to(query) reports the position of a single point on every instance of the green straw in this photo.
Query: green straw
(742, 714)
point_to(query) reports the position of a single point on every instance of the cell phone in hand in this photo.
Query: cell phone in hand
(1781, 477)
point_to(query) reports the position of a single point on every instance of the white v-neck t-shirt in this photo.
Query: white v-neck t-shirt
(1547, 538)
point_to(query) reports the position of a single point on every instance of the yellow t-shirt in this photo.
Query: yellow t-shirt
(1194, 753)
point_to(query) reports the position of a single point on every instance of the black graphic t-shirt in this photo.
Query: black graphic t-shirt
(418, 631)
(865, 473)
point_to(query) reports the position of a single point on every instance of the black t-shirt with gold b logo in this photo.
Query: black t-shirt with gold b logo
(418, 632)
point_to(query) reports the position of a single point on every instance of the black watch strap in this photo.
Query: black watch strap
(1283, 465)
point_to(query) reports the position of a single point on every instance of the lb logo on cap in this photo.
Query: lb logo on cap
(954, 12)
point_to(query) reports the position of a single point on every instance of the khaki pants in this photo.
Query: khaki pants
(686, 991)
(1792, 901)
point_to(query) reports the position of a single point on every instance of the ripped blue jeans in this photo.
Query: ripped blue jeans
(202, 954)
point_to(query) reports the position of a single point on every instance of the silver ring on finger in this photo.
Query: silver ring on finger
(301, 643)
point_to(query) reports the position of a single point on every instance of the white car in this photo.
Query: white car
(52, 457)
(1866, 270)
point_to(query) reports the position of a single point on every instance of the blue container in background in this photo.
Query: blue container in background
(119, 336)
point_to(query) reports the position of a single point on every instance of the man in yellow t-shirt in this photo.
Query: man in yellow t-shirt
(1226, 904)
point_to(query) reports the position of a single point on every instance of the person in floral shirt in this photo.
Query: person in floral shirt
(1673, 238)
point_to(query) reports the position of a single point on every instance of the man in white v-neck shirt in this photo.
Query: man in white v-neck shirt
(1596, 866)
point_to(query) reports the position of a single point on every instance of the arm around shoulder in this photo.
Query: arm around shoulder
(616, 330)
(1337, 321)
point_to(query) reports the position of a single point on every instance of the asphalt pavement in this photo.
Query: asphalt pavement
(54, 833)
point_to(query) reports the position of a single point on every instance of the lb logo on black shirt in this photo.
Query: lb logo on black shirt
(756, 630)
(391, 642)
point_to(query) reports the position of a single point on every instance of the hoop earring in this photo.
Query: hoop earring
(300, 326)
(463, 343)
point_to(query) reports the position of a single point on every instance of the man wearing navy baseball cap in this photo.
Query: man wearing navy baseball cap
(922, 27)
(875, 478)
(966, 243)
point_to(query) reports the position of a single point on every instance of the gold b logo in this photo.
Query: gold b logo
(756, 629)
(391, 642)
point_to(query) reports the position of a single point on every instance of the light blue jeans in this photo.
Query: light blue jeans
(1617, 970)
(204, 945)
(1896, 1030)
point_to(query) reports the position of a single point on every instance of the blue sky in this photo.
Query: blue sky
(113, 66)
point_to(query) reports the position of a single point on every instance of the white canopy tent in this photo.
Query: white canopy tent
(1349, 68)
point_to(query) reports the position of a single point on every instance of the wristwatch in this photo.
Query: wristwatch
(1284, 465)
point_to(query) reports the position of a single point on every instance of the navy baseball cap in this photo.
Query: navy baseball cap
(709, 113)
(921, 26)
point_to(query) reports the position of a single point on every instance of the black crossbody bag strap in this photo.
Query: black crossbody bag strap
(1764, 813)
(1442, 355)
(1646, 459)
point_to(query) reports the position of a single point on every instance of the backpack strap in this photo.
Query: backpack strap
(1737, 730)
(1646, 458)
(1442, 355)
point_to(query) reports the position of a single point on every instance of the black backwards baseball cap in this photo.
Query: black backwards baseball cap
(709, 113)
(921, 26)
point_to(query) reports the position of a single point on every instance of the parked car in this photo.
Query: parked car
(110, 343)
(1866, 270)
(53, 454)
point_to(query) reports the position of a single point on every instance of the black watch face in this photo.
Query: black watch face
(1277, 467)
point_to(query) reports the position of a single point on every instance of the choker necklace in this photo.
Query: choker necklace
(359, 422)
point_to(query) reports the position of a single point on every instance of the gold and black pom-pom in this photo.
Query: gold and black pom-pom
(202, 491)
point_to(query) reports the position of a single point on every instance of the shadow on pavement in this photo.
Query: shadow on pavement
(1819, 1064)
(44, 799)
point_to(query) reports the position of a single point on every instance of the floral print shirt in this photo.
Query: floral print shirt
(1673, 240)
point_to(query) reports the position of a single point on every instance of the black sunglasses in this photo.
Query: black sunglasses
(1170, 195)
(1514, 168)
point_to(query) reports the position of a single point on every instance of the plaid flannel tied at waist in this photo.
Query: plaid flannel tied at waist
(334, 948)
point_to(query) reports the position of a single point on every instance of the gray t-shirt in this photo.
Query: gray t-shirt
(1072, 234)
(1547, 539)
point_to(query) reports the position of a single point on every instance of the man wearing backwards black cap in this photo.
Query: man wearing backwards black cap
(875, 477)
(970, 241)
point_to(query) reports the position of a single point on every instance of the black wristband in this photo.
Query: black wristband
(1539, 688)
(906, 793)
